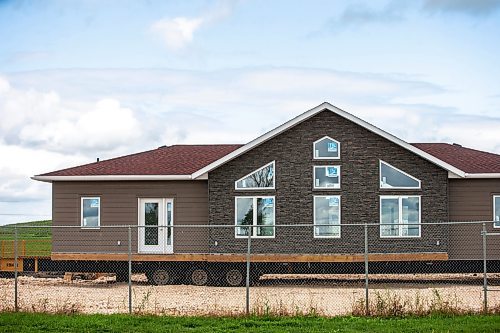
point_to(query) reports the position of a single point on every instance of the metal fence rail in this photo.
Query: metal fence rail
(228, 269)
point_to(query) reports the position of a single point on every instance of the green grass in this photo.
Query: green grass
(32, 241)
(29, 322)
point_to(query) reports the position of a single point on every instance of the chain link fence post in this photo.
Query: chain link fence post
(367, 305)
(16, 305)
(485, 272)
(129, 269)
(247, 283)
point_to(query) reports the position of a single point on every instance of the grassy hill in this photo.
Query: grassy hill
(34, 238)
(27, 230)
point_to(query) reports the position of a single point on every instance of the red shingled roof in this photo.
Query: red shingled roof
(187, 159)
(466, 159)
(171, 160)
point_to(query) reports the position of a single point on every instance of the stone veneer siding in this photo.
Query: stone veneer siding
(360, 151)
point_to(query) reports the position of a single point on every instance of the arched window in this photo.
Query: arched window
(326, 148)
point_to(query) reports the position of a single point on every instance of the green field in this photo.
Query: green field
(28, 322)
(32, 240)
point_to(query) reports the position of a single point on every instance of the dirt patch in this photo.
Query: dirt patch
(324, 294)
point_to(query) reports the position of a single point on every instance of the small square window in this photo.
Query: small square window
(327, 177)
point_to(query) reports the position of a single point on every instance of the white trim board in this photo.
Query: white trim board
(113, 178)
(325, 106)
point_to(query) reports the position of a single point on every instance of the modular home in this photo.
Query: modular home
(325, 169)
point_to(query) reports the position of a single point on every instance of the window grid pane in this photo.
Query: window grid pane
(390, 217)
(265, 216)
(244, 215)
(326, 213)
(327, 177)
(90, 212)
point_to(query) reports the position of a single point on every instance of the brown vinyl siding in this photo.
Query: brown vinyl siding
(472, 200)
(119, 206)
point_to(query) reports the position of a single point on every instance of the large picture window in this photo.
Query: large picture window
(327, 177)
(327, 216)
(393, 178)
(91, 212)
(255, 211)
(326, 148)
(400, 216)
(496, 211)
(262, 178)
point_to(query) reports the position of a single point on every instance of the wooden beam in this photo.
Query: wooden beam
(356, 257)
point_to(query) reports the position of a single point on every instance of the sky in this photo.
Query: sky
(87, 79)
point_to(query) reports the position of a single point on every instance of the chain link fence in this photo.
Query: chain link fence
(361, 269)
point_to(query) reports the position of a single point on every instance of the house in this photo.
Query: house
(324, 168)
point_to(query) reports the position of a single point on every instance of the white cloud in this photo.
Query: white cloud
(4, 85)
(178, 32)
(22, 199)
(31, 118)
(104, 127)
(238, 105)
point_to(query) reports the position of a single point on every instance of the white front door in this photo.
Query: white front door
(155, 221)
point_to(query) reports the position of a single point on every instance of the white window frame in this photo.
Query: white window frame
(326, 188)
(273, 163)
(314, 216)
(400, 215)
(396, 188)
(254, 222)
(496, 196)
(98, 216)
(326, 158)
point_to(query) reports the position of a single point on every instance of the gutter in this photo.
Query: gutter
(482, 175)
(50, 179)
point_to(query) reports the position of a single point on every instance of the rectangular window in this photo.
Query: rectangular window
(327, 216)
(255, 211)
(327, 177)
(496, 211)
(400, 216)
(91, 212)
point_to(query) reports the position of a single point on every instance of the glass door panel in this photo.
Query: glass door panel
(151, 222)
(169, 222)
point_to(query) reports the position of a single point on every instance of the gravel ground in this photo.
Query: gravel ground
(276, 294)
